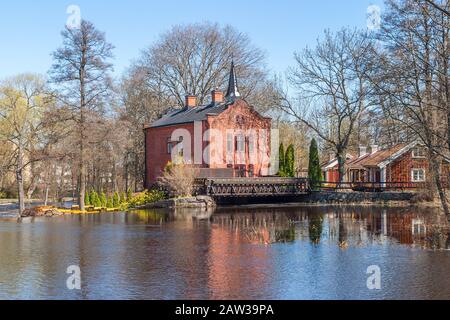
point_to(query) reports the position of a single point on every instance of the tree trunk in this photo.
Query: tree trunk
(82, 71)
(46, 195)
(435, 167)
(126, 173)
(136, 171)
(19, 178)
(82, 192)
(341, 166)
(31, 189)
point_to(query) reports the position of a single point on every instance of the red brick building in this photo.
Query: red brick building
(401, 163)
(226, 138)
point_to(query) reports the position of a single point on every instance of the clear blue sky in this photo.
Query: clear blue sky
(30, 29)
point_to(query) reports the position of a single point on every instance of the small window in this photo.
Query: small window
(240, 143)
(418, 175)
(240, 120)
(251, 144)
(229, 143)
(418, 152)
(169, 146)
(181, 147)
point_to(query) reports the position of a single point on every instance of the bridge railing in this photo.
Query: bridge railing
(292, 186)
(272, 186)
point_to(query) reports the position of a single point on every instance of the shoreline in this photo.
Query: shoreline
(206, 203)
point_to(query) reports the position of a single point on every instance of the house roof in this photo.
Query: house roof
(380, 157)
(200, 113)
(190, 114)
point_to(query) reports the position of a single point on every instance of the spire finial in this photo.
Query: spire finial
(232, 92)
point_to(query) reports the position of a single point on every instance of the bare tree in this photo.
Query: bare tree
(412, 79)
(141, 105)
(442, 8)
(333, 88)
(23, 103)
(81, 73)
(195, 59)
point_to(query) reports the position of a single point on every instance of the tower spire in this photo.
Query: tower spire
(232, 92)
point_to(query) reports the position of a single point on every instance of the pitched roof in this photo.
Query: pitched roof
(190, 114)
(377, 158)
(200, 113)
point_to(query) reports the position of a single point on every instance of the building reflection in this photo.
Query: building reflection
(343, 226)
(218, 240)
(226, 254)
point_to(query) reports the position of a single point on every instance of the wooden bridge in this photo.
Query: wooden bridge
(252, 187)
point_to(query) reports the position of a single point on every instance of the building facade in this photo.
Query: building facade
(226, 138)
(402, 163)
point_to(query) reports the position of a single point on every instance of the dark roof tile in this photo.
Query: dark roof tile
(188, 115)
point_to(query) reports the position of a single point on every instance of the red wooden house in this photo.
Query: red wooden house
(226, 138)
(405, 163)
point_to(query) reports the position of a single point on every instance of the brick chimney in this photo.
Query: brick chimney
(332, 156)
(217, 96)
(362, 151)
(374, 148)
(191, 101)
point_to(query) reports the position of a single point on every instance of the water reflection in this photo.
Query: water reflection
(271, 253)
(346, 226)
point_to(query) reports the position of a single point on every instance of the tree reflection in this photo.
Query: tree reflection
(286, 235)
(315, 228)
(346, 226)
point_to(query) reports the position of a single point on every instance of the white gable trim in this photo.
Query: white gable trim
(335, 162)
(331, 165)
(397, 155)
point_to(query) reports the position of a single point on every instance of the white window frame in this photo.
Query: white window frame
(230, 144)
(251, 144)
(180, 146)
(418, 169)
(169, 146)
(415, 156)
(240, 143)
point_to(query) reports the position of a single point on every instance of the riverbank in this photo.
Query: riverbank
(199, 202)
(315, 199)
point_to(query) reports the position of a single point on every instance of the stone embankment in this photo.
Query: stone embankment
(199, 202)
(357, 197)
(41, 212)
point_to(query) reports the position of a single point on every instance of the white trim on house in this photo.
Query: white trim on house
(334, 162)
(383, 175)
(331, 165)
(397, 155)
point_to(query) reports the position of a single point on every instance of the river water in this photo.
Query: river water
(233, 253)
